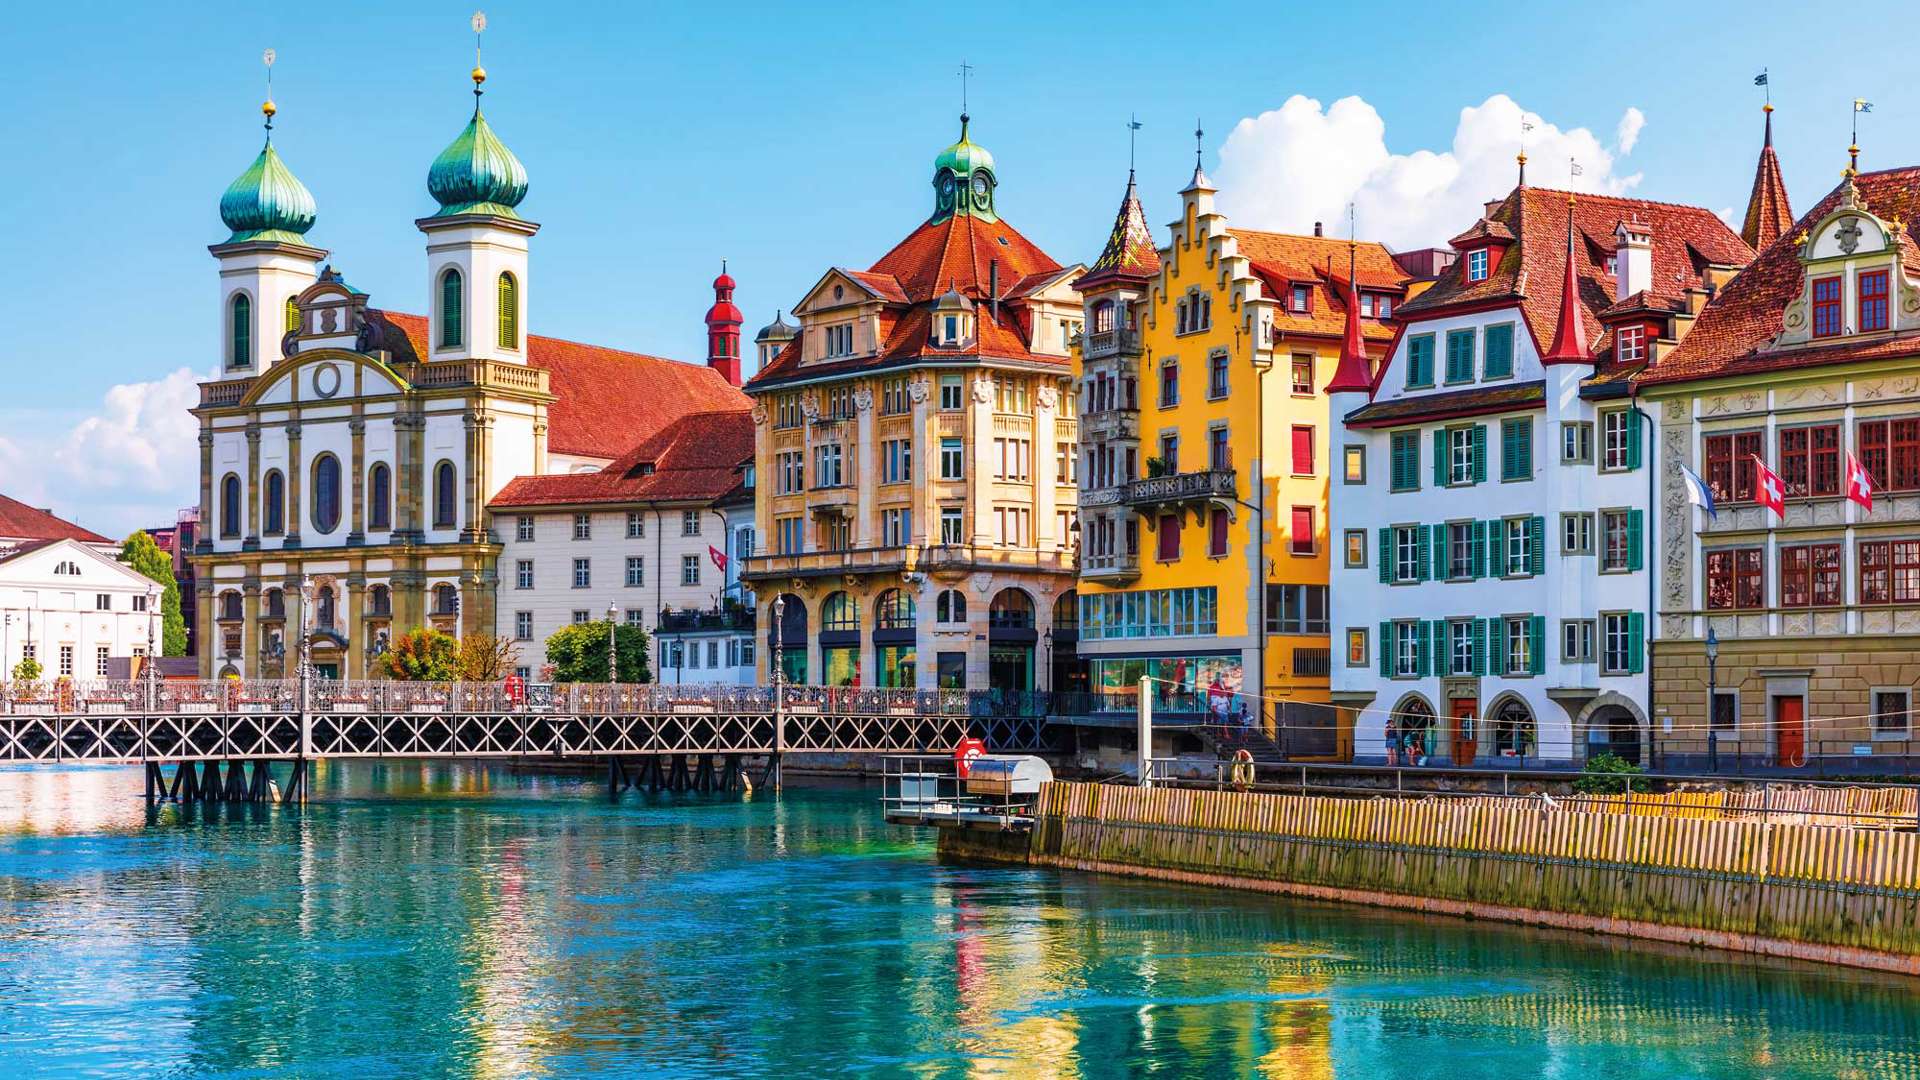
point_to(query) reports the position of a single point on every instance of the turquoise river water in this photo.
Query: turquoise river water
(428, 920)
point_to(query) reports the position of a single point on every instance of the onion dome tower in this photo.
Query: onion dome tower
(963, 180)
(265, 262)
(723, 329)
(477, 274)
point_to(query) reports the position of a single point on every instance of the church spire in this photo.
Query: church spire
(1768, 214)
(1570, 344)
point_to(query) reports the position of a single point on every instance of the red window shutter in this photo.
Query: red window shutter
(1303, 451)
(1217, 532)
(1873, 300)
(1169, 533)
(1302, 538)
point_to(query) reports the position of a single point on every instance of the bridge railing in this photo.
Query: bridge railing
(185, 697)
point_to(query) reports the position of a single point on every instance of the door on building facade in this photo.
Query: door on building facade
(1464, 733)
(1790, 731)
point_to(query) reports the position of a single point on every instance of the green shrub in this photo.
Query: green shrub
(1610, 774)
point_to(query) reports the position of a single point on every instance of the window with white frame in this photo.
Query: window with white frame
(523, 574)
(953, 459)
(689, 569)
(1519, 546)
(1616, 657)
(689, 523)
(1630, 344)
(951, 530)
(1616, 439)
(1615, 540)
(1460, 455)
(523, 527)
(523, 626)
(896, 461)
(1576, 641)
(1406, 553)
(1576, 442)
(583, 526)
(1477, 264)
(582, 574)
(896, 526)
(636, 571)
(1576, 533)
(826, 465)
(636, 525)
(953, 395)
(1406, 649)
(1460, 549)
(839, 339)
(1460, 646)
(1519, 646)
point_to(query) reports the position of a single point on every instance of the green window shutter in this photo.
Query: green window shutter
(1424, 665)
(1636, 643)
(1386, 650)
(1537, 526)
(1426, 554)
(1634, 526)
(1386, 555)
(1420, 361)
(1496, 646)
(1516, 449)
(450, 314)
(1479, 453)
(1499, 359)
(1479, 646)
(1633, 439)
(1440, 458)
(1440, 564)
(508, 294)
(1497, 548)
(1479, 549)
(1459, 356)
(1537, 642)
(1442, 649)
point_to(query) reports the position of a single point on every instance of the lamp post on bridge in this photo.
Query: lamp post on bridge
(1713, 700)
(149, 671)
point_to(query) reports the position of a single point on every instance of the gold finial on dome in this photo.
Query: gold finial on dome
(479, 75)
(268, 108)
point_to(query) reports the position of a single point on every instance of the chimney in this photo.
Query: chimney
(1632, 258)
(1317, 230)
(1487, 208)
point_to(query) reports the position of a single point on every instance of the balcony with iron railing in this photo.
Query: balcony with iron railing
(687, 622)
(939, 559)
(1107, 425)
(1178, 488)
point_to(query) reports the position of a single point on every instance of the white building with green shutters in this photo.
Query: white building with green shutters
(1490, 582)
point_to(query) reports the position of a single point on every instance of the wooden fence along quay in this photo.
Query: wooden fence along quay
(1740, 880)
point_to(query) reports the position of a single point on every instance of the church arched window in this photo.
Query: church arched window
(509, 295)
(242, 312)
(326, 493)
(450, 309)
(380, 497)
(446, 496)
(274, 496)
(230, 506)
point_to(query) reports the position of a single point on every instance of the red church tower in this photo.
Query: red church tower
(723, 329)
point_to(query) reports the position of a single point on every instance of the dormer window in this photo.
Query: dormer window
(1873, 300)
(1477, 264)
(1631, 344)
(1826, 306)
(1301, 302)
(839, 339)
(952, 319)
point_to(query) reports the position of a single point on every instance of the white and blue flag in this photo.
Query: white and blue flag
(1698, 493)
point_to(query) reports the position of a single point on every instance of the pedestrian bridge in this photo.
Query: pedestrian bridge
(280, 720)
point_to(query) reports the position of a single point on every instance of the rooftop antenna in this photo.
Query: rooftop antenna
(479, 24)
(267, 107)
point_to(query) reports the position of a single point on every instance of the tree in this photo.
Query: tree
(578, 653)
(485, 658)
(423, 655)
(140, 552)
(27, 670)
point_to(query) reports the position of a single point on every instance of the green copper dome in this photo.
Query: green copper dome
(963, 180)
(477, 174)
(964, 156)
(267, 202)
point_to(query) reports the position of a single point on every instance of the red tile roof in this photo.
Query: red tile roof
(1686, 240)
(18, 521)
(1282, 260)
(1768, 214)
(695, 458)
(1734, 330)
(960, 252)
(605, 399)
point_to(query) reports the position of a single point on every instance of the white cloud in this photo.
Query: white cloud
(1628, 132)
(130, 464)
(1301, 163)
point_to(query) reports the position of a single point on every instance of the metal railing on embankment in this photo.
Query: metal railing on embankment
(1813, 802)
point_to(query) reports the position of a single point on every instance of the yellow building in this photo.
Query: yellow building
(915, 447)
(1205, 457)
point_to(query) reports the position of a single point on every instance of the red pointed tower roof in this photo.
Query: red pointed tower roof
(1353, 373)
(1130, 252)
(1768, 215)
(1570, 345)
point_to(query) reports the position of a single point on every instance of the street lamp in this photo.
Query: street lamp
(1713, 697)
(1046, 639)
(779, 608)
(148, 670)
(613, 653)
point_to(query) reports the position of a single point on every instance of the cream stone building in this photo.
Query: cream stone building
(915, 448)
(357, 448)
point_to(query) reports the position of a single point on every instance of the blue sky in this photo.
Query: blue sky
(661, 138)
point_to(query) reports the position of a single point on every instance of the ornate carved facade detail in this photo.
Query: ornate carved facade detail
(1677, 548)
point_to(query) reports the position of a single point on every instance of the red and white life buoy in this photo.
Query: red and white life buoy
(964, 754)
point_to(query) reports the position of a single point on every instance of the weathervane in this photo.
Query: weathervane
(1199, 149)
(966, 70)
(479, 23)
(267, 107)
(1133, 128)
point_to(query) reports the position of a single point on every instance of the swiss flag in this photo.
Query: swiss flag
(1768, 491)
(719, 560)
(1859, 483)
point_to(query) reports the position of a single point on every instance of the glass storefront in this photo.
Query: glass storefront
(841, 664)
(1184, 684)
(793, 665)
(1010, 667)
(897, 666)
(1149, 613)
